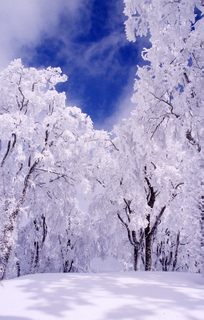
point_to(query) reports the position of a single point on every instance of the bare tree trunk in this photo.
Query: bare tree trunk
(148, 246)
(136, 257)
(148, 252)
(176, 251)
(148, 239)
(133, 240)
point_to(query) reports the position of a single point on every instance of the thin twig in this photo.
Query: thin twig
(57, 173)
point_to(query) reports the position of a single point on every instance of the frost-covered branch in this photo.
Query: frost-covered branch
(169, 104)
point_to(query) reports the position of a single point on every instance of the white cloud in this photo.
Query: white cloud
(22, 22)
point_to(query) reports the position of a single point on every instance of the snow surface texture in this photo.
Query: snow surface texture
(121, 296)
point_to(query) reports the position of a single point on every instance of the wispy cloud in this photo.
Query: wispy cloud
(123, 105)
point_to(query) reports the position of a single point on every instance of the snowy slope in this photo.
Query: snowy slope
(121, 296)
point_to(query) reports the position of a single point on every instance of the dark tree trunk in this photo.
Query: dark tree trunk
(176, 251)
(148, 252)
(148, 246)
(148, 239)
(136, 258)
(133, 238)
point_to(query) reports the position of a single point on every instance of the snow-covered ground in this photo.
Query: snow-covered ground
(121, 296)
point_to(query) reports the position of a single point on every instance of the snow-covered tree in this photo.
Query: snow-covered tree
(169, 99)
(146, 185)
(45, 153)
(154, 187)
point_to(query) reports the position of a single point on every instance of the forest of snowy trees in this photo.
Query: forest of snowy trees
(143, 182)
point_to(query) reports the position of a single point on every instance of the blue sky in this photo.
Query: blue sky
(86, 38)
